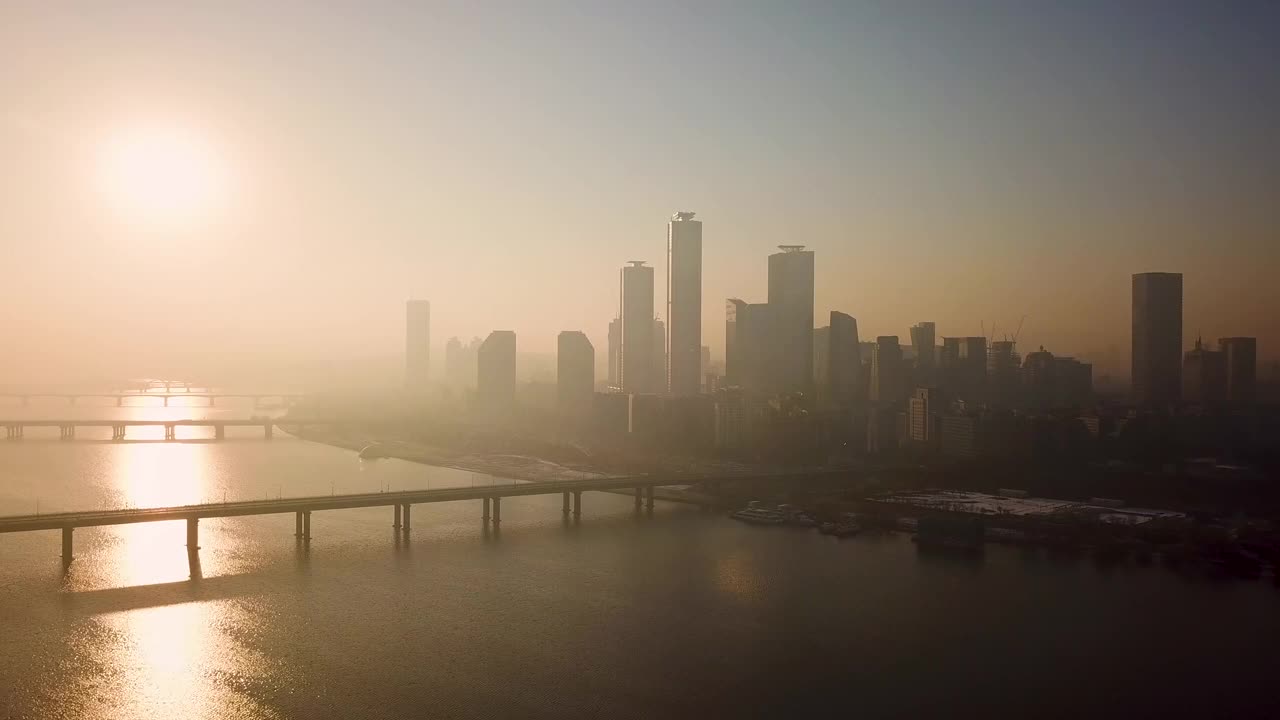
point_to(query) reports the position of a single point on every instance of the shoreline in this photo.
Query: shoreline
(507, 467)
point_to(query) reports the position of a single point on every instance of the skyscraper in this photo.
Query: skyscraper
(635, 366)
(575, 372)
(1204, 376)
(888, 373)
(659, 356)
(496, 371)
(844, 364)
(417, 349)
(751, 348)
(791, 295)
(453, 362)
(1157, 338)
(1003, 366)
(684, 304)
(963, 370)
(923, 338)
(615, 351)
(822, 360)
(460, 362)
(920, 421)
(1242, 368)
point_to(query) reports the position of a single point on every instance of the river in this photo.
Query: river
(677, 614)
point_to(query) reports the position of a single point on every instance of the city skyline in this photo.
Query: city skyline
(1038, 190)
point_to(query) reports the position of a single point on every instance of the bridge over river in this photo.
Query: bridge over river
(16, 429)
(402, 503)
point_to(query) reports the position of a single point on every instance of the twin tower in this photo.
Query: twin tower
(646, 356)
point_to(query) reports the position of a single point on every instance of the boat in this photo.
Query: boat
(846, 528)
(759, 516)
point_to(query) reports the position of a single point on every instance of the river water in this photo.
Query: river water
(670, 615)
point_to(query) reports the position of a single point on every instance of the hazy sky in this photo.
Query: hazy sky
(950, 161)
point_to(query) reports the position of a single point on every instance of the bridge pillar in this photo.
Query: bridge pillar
(119, 401)
(297, 524)
(565, 508)
(485, 516)
(66, 546)
(170, 431)
(306, 525)
(268, 431)
(638, 491)
(406, 517)
(166, 398)
(396, 524)
(577, 503)
(497, 511)
(193, 534)
(219, 432)
(117, 432)
(213, 400)
(67, 432)
(648, 498)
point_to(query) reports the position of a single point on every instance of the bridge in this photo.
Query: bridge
(285, 399)
(16, 429)
(402, 502)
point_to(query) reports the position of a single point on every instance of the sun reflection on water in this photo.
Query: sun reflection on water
(157, 476)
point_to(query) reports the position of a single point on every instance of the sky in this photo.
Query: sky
(964, 162)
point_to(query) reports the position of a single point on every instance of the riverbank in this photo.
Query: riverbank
(512, 467)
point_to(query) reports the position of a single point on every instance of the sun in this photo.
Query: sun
(162, 175)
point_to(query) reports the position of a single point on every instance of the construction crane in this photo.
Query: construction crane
(1018, 332)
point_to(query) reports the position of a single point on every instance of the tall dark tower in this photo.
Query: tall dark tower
(635, 368)
(684, 305)
(791, 295)
(1157, 339)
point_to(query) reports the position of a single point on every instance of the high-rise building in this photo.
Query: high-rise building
(615, 352)
(822, 359)
(684, 304)
(496, 371)
(659, 356)
(733, 309)
(460, 362)
(575, 372)
(1003, 366)
(844, 366)
(705, 368)
(635, 365)
(888, 373)
(791, 295)
(923, 339)
(417, 346)
(1204, 376)
(751, 348)
(963, 370)
(1049, 382)
(1157, 338)
(920, 421)
(1242, 368)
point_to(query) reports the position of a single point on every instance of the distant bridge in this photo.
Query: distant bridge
(285, 399)
(16, 429)
(402, 501)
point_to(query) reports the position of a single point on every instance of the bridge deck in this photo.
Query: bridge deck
(23, 523)
(203, 422)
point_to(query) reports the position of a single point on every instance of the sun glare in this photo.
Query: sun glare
(165, 175)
